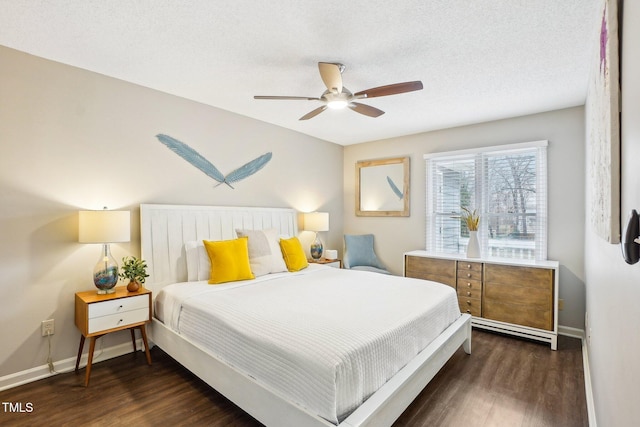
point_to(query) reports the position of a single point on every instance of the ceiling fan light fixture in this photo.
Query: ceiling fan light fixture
(337, 104)
(338, 97)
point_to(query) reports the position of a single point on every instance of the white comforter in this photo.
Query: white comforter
(324, 338)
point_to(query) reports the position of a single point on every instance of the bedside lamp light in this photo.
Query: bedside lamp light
(104, 227)
(316, 221)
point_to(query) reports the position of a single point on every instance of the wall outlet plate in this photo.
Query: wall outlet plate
(47, 327)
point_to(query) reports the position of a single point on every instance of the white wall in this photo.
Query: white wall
(613, 287)
(72, 139)
(564, 129)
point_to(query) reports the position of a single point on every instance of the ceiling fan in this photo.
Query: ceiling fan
(337, 96)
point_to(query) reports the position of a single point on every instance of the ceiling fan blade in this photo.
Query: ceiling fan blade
(313, 113)
(367, 110)
(331, 75)
(389, 89)
(305, 98)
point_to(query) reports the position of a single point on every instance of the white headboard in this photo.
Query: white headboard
(164, 229)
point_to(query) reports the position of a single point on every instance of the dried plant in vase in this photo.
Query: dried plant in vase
(471, 218)
(135, 270)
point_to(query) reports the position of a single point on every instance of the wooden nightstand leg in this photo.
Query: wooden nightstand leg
(133, 339)
(92, 346)
(143, 330)
(79, 352)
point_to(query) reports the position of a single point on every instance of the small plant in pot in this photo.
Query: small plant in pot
(135, 270)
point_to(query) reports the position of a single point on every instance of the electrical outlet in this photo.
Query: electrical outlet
(47, 327)
(560, 304)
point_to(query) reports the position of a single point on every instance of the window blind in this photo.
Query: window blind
(505, 185)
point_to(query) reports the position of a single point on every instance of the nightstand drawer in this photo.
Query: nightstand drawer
(117, 306)
(118, 320)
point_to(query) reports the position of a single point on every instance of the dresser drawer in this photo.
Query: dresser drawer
(470, 292)
(118, 320)
(469, 266)
(518, 314)
(469, 274)
(472, 306)
(522, 276)
(520, 295)
(469, 285)
(437, 270)
(117, 306)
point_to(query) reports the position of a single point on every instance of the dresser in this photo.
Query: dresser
(517, 297)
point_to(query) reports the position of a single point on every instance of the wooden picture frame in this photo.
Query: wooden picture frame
(382, 187)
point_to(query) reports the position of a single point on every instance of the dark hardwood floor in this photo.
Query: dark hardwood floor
(504, 382)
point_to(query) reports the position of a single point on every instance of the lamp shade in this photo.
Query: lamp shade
(104, 226)
(316, 221)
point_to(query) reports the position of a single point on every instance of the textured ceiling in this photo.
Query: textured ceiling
(479, 60)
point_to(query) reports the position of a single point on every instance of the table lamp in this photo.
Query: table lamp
(104, 227)
(316, 221)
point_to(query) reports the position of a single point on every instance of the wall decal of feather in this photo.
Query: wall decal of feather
(197, 160)
(191, 156)
(395, 188)
(248, 169)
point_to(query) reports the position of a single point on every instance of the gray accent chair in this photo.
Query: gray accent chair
(360, 255)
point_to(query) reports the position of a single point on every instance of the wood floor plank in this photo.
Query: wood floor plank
(505, 382)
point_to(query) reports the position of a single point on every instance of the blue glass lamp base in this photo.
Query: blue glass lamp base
(316, 249)
(105, 273)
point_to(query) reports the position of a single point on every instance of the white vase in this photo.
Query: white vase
(473, 247)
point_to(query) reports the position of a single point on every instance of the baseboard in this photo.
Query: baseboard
(579, 333)
(66, 365)
(571, 332)
(591, 407)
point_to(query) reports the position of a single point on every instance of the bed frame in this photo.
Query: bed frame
(165, 229)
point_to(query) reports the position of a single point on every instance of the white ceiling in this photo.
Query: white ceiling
(479, 60)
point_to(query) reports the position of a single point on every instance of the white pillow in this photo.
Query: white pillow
(198, 263)
(265, 255)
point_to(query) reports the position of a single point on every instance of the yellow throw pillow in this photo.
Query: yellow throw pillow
(293, 254)
(229, 260)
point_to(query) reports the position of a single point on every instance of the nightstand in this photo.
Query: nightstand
(337, 263)
(98, 315)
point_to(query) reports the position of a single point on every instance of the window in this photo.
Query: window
(506, 185)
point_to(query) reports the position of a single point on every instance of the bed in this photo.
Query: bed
(318, 347)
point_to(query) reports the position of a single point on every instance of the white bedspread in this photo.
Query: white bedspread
(324, 338)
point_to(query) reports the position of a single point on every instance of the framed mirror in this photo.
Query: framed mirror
(382, 187)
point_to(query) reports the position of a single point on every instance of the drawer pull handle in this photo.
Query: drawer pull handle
(468, 302)
(468, 265)
(120, 321)
(468, 293)
(120, 307)
(469, 311)
(468, 284)
(468, 274)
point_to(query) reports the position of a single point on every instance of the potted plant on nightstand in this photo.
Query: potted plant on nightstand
(135, 270)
